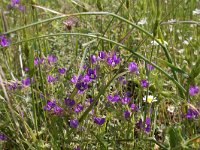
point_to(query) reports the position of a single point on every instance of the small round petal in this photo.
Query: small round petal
(193, 90)
(93, 58)
(127, 114)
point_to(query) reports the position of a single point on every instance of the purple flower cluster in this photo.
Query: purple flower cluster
(78, 108)
(52, 58)
(113, 98)
(26, 82)
(61, 70)
(51, 105)
(127, 114)
(51, 79)
(193, 90)
(38, 60)
(83, 80)
(113, 59)
(16, 4)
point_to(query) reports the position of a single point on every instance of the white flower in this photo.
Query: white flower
(185, 42)
(196, 12)
(154, 43)
(171, 108)
(150, 99)
(143, 21)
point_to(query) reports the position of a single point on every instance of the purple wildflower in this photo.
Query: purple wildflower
(51, 78)
(102, 55)
(192, 113)
(51, 58)
(86, 78)
(3, 41)
(114, 98)
(150, 67)
(57, 110)
(193, 90)
(81, 86)
(61, 70)
(147, 127)
(113, 60)
(73, 123)
(93, 58)
(133, 107)
(79, 108)
(12, 85)
(69, 102)
(144, 83)
(99, 120)
(125, 99)
(92, 73)
(36, 61)
(21, 7)
(26, 69)
(127, 114)
(15, 2)
(132, 67)
(50, 105)
(3, 137)
(26, 81)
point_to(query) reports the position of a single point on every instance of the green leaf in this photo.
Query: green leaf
(195, 70)
(172, 66)
(175, 138)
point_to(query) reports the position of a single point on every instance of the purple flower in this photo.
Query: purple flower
(15, 2)
(127, 114)
(125, 99)
(21, 7)
(69, 102)
(133, 107)
(193, 90)
(78, 108)
(75, 79)
(3, 137)
(144, 83)
(77, 148)
(61, 70)
(26, 81)
(147, 127)
(51, 58)
(93, 58)
(86, 78)
(3, 41)
(92, 73)
(12, 85)
(132, 67)
(26, 69)
(150, 67)
(57, 110)
(73, 123)
(113, 60)
(99, 120)
(114, 98)
(81, 86)
(50, 105)
(192, 113)
(102, 55)
(36, 61)
(51, 78)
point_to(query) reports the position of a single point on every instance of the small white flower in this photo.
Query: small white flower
(143, 21)
(196, 12)
(185, 42)
(150, 99)
(171, 108)
(154, 43)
